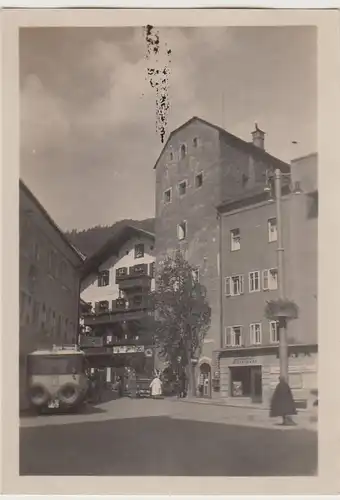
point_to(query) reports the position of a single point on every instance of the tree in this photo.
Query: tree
(181, 315)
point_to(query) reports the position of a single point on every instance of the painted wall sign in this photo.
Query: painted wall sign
(127, 349)
(246, 361)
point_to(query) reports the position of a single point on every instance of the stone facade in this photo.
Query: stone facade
(214, 165)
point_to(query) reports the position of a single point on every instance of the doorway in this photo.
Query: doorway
(205, 381)
(246, 382)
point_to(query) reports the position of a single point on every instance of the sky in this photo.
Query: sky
(88, 112)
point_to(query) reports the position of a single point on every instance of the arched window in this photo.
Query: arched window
(183, 151)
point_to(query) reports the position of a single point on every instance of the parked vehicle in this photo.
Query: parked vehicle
(57, 379)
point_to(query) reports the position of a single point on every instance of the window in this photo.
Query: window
(235, 240)
(167, 196)
(272, 230)
(274, 332)
(234, 285)
(139, 251)
(182, 188)
(270, 279)
(255, 333)
(183, 151)
(195, 142)
(171, 156)
(36, 252)
(254, 281)
(104, 278)
(103, 305)
(182, 230)
(233, 336)
(199, 180)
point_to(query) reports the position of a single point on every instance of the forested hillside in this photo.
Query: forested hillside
(90, 240)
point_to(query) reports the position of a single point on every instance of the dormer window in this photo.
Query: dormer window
(183, 151)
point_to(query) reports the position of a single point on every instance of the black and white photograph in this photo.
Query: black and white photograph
(168, 251)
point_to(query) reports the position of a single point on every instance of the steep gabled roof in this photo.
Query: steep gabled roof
(30, 195)
(248, 147)
(112, 247)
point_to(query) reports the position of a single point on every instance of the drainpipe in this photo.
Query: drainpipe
(219, 216)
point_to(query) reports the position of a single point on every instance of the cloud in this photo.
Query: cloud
(89, 112)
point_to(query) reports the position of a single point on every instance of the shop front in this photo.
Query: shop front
(251, 374)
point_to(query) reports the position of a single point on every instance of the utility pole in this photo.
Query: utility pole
(283, 342)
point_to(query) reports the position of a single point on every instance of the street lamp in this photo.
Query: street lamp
(276, 178)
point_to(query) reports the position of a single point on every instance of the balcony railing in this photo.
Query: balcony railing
(88, 341)
(111, 340)
(125, 273)
(116, 315)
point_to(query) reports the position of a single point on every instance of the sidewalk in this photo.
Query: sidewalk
(248, 415)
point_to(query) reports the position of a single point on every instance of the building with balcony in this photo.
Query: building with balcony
(50, 269)
(249, 363)
(115, 286)
(201, 166)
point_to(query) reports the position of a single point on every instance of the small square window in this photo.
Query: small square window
(199, 180)
(235, 240)
(139, 251)
(167, 196)
(182, 230)
(182, 188)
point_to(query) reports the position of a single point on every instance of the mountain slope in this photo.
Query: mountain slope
(90, 240)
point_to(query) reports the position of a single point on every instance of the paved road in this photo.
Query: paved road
(161, 438)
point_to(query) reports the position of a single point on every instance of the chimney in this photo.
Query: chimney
(258, 137)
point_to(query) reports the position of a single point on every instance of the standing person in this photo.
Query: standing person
(156, 387)
(282, 403)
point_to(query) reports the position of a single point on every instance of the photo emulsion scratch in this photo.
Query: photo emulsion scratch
(168, 251)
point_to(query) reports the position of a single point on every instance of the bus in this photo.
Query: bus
(57, 378)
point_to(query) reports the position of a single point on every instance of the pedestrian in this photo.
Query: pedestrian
(282, 403)
(156, 387)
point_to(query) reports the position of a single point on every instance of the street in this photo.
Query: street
(164, 437)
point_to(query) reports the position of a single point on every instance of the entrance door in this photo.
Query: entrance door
(205, 380)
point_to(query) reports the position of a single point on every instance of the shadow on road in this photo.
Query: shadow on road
(165, 446)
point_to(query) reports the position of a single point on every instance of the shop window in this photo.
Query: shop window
(139, 251)
(104, 278)
(182, 188)
(274, 332)
(233, 336)
(270, 279)
(167, 196)
(254, 281)
(272, 230)
(199, 180)
(234, 285)
(235, 240)
(255, 333)
(182, 230)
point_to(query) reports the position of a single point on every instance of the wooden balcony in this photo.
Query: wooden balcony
(116, 316)
(131, 281)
